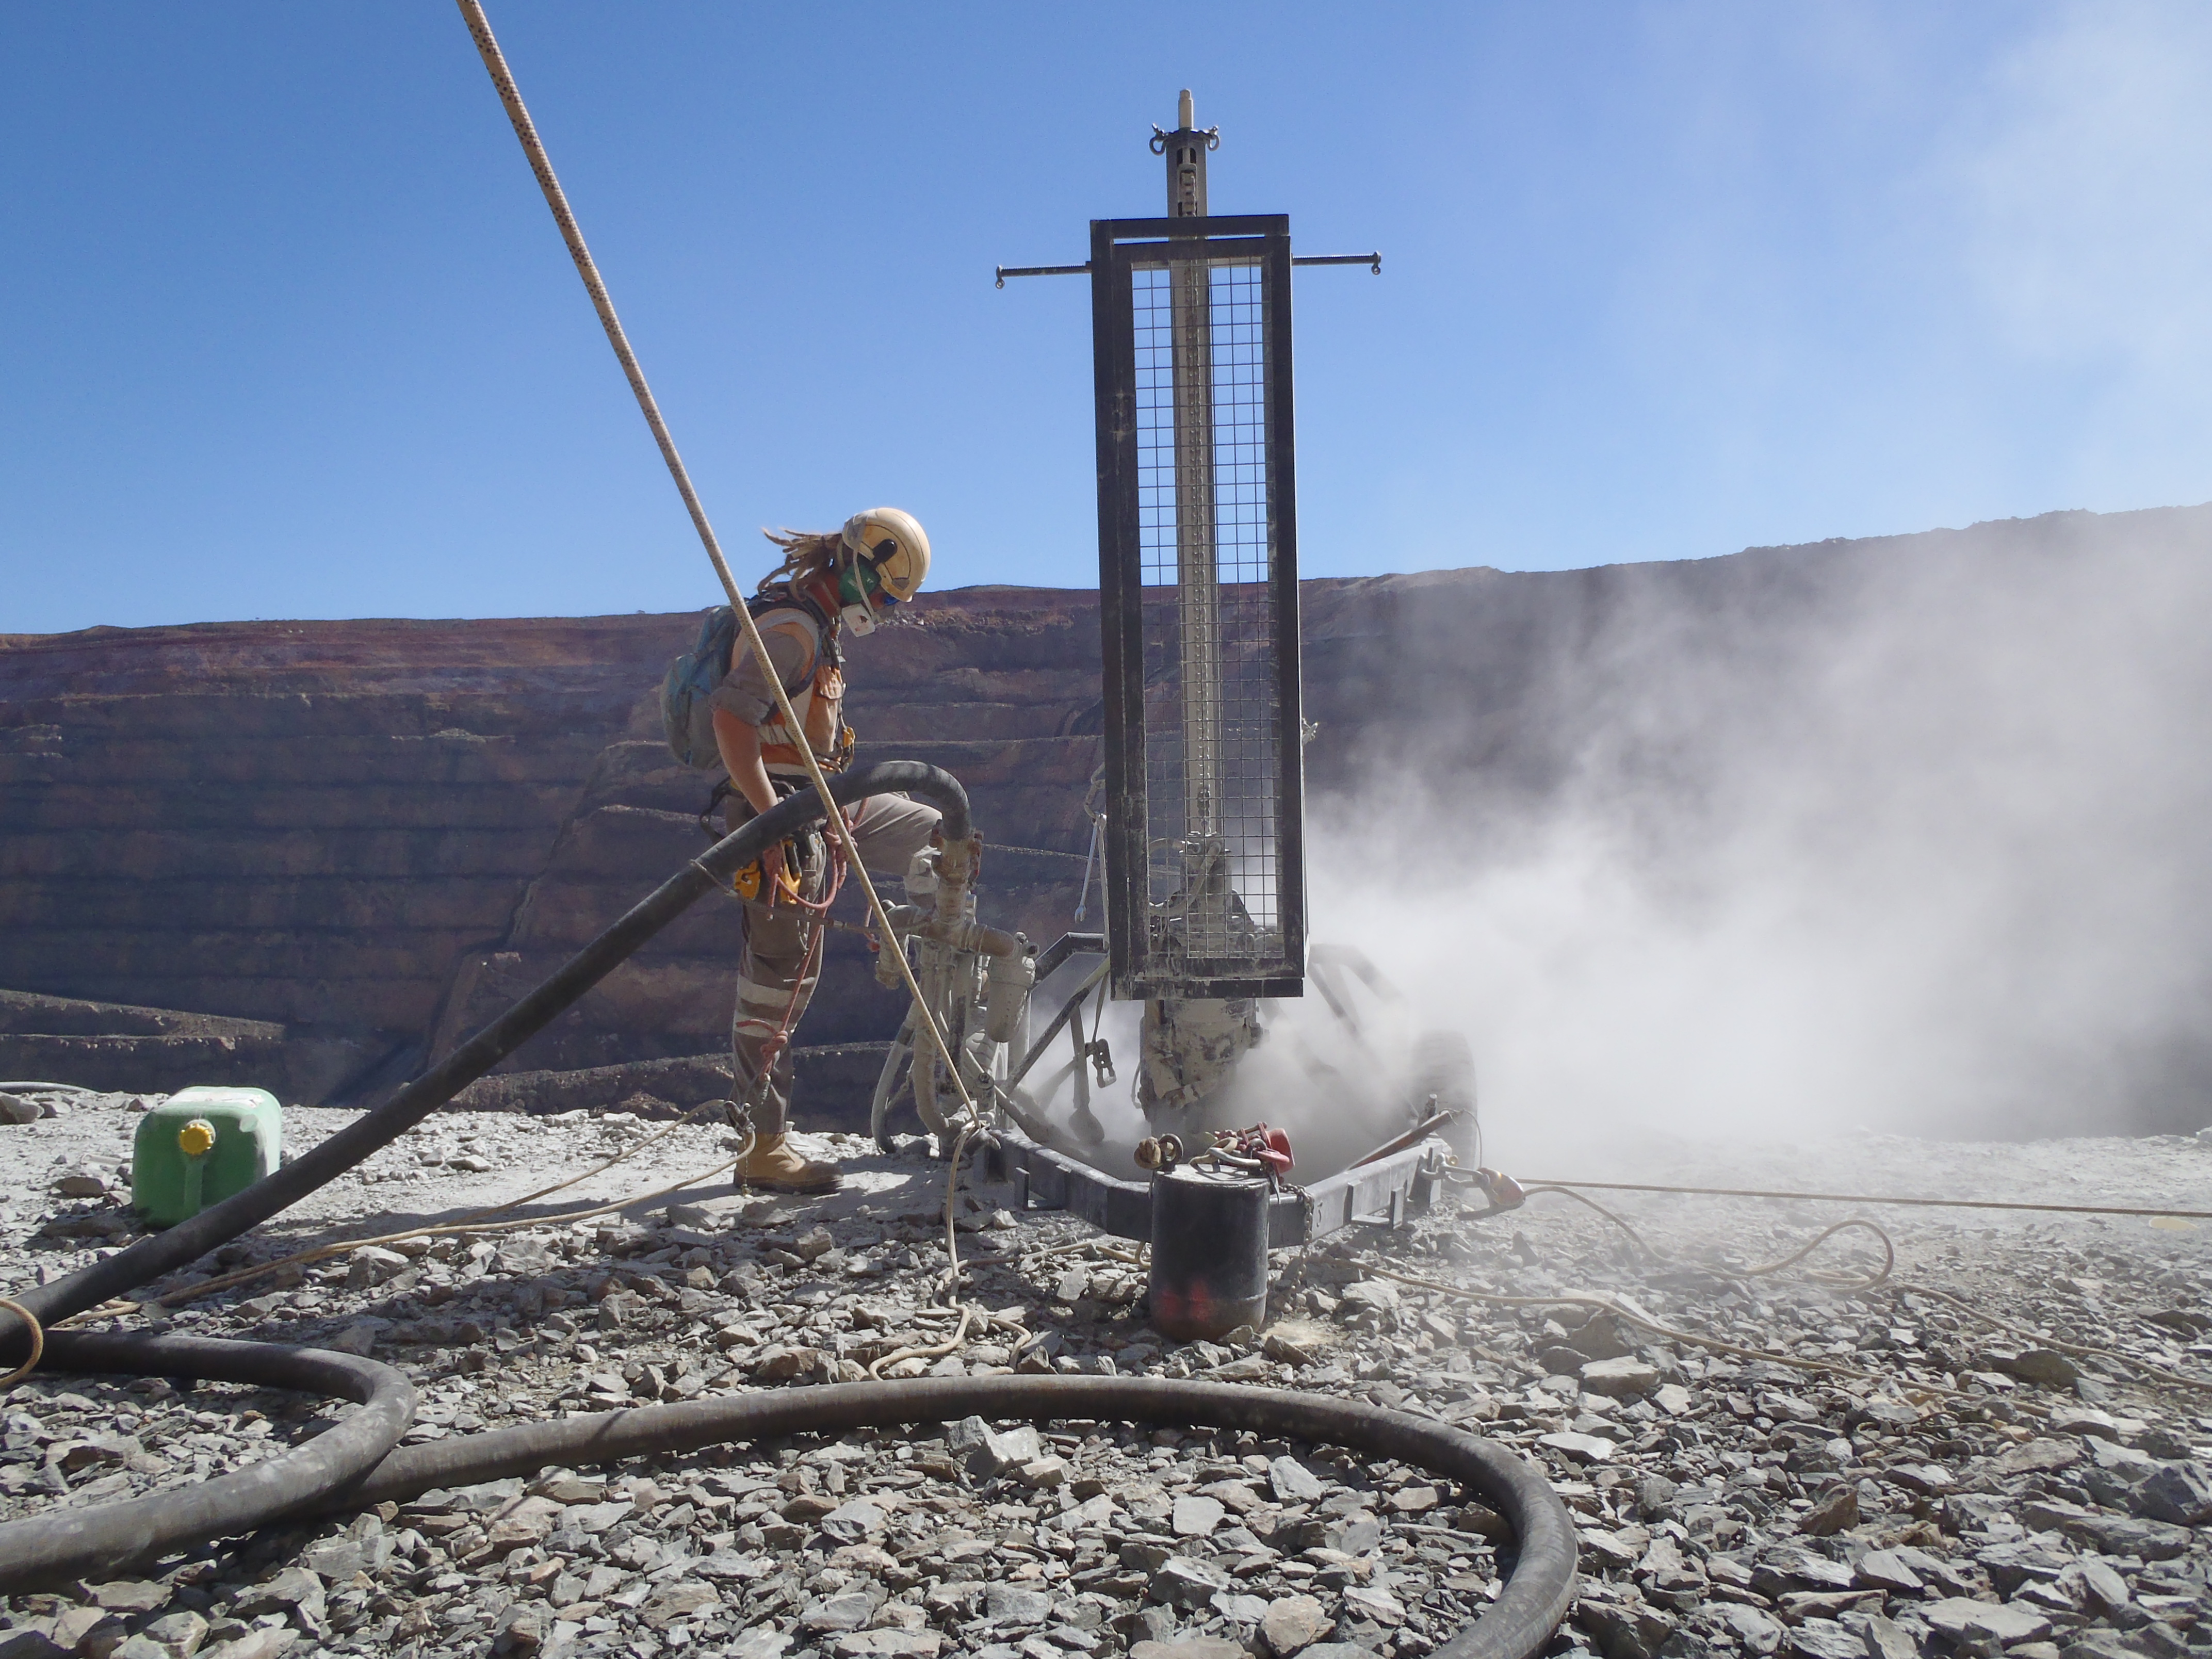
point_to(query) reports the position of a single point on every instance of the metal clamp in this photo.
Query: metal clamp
(1372, 261)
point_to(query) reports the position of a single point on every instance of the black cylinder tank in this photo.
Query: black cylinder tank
(1209, 1256)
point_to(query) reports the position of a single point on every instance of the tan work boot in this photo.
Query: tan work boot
(773, 1165)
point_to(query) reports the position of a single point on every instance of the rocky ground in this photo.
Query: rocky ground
(1946, 1488)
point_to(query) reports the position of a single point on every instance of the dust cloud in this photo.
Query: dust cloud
(1918, 847)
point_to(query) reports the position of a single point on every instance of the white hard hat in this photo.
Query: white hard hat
(889, 542)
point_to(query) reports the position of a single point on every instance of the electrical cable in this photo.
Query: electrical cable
(1877, 1197)
(2123, 1361)
(1840, 1280)
(935, 1350)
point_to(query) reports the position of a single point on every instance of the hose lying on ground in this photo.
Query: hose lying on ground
(187, 1241)
(353, 1464)
(1527, 1610)
(64, 1544)
(116, 1528)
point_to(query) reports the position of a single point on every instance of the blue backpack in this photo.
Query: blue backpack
(691, 679)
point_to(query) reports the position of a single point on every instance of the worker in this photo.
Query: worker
(828, 584)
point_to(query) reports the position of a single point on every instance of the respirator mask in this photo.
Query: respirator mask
(864, 600)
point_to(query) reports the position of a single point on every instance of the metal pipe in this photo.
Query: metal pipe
(1067, 1012)
(1412, 1137)
(961, 932)
(1198, 577)
(1005, 271)
(163, 1252)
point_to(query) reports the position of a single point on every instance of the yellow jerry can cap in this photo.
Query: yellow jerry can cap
(195, 1139)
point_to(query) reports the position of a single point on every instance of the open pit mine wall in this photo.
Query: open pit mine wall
(350, 841)
(314, 855)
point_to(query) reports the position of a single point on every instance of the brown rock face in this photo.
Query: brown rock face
(362, 837)
(351, 843)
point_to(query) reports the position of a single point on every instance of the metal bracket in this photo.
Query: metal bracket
(1387, 1192)
(1372, 261)
(1005, 271)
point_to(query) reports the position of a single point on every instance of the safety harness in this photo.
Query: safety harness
(825, 683)
(687, 691)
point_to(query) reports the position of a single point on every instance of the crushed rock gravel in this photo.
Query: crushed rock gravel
(1974, 1491)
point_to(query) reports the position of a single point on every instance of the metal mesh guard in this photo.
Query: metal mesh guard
(1213, 715)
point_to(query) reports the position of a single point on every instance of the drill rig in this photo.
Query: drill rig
(1200, 800)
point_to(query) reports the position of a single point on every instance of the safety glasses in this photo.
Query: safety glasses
(872, 581)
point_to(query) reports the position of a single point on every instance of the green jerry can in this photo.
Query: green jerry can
(200, 1147)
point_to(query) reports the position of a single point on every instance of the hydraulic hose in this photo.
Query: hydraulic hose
(355, 1464)
(187, 1241)
(1529, 1608)
(98, 1542)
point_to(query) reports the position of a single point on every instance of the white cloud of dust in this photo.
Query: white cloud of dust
(1919, 847)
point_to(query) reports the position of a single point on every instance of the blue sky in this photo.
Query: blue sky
(285, 329)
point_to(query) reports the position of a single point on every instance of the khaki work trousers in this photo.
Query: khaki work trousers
(772, 979)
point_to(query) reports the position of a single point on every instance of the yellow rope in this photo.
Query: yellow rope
(449, 1229)
(936, 1350)
(38, 1343)
(2106, 1354)
(541, 164)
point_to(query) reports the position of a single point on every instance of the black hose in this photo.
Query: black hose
(1527, 1612)
(99, 1542)
(187, 1241)
(353, 1464)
